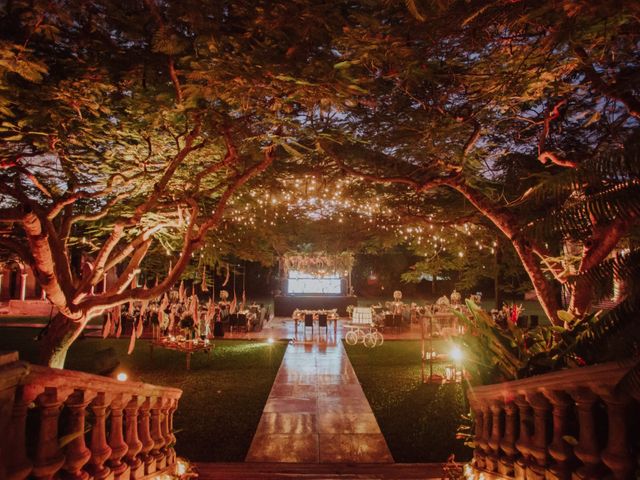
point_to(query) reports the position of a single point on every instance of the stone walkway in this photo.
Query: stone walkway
(317, 413)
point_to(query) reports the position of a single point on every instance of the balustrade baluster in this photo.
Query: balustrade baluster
(523, 444)
(524, 425)
(541, 408)
(478, 453)
(18, 466)
(144, 434)
(100, 449)
(496, 409)
(156, 434)
(132, 439)
(486, 433)
(48, 457)
(508, 443)
(559, 449)
(76, 452)
(587, 449)
(116, 441)
(616, 455)
(166, 432)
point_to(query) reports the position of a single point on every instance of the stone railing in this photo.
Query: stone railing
(570, 424)
(73, 425)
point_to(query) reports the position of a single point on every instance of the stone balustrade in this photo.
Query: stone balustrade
(77, 426)
(571, 424)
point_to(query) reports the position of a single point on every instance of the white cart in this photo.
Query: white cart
(362, 330)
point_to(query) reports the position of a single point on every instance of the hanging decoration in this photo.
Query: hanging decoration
(181, 293)
(203, 285)
(227, 277)
(319, 264)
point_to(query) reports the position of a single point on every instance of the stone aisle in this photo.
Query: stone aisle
(317, 412)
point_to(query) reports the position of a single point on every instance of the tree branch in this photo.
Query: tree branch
(625, 97)
(543, 155)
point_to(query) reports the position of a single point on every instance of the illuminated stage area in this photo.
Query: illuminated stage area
(299, 283)
(315, 282)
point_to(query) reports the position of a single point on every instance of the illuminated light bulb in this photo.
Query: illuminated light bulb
(456, 354)
(122, 377)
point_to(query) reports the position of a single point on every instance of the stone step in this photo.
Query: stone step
(317, 471)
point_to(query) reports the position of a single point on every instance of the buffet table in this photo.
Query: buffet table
(284, 305)
(332, 316)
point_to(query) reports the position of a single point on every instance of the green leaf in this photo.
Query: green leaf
(565, 316)
(13, 138)
(342, 65)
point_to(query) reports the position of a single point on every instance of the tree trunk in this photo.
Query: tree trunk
(497, 279)
(545, 290)
(57, 338)
(581, 297)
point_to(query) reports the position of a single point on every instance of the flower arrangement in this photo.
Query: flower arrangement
(319, 263)
(512, 312)
(187, 324)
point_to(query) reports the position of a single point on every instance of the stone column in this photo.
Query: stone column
(616, 455)
(48, 458)
(587, 449)
(559, 449)
(486, 433)
(524, 440)
(116, 441)
(23, 287)
(100, 449)
(541, 410)
(17, 464)
(478, 453)
(156, 434)
(495, 408)
(144, 433)
(171, 439)
(132, 439)
(76, 452)
(508, 443)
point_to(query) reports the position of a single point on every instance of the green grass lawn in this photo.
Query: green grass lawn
(419, 421)
(224, 394)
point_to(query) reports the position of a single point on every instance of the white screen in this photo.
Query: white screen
(304, 283)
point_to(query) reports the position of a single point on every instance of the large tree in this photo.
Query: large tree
(456, 94)
(110, 149)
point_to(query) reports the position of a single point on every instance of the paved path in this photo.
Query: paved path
(317, 413)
